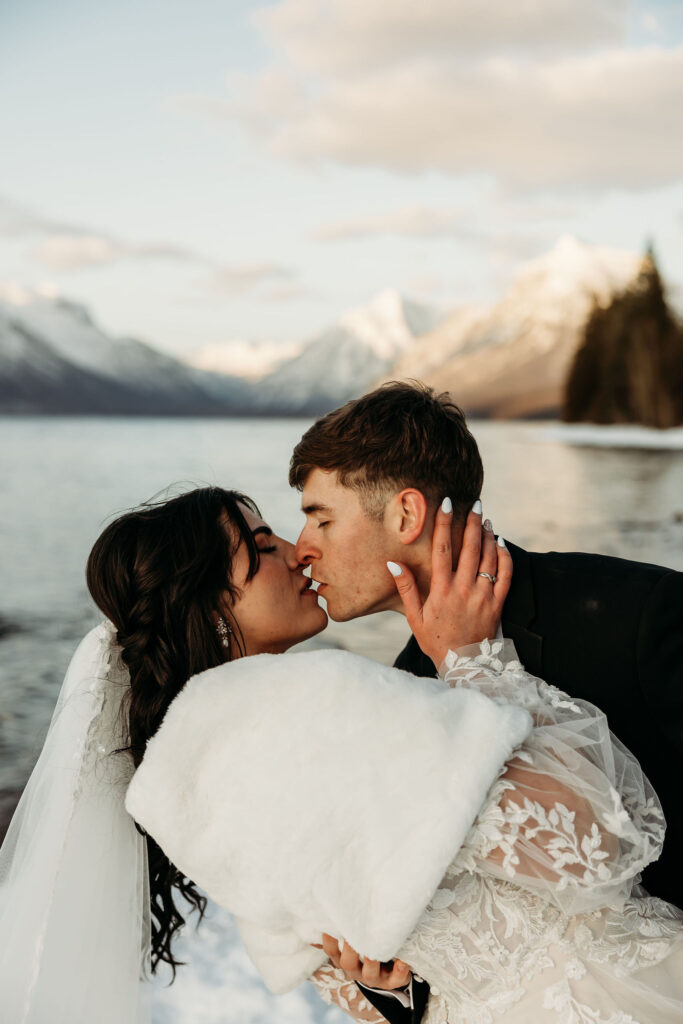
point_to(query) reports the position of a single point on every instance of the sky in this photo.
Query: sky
(222, 169)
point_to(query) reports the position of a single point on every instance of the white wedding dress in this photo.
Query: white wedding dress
(539, 918)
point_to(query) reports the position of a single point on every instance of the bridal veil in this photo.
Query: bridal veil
(74, 900)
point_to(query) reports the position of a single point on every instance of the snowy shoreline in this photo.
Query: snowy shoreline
(613, 436)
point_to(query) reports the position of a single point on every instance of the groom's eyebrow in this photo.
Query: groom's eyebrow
(315, 507)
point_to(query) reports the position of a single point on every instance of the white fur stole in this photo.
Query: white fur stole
(319, 791)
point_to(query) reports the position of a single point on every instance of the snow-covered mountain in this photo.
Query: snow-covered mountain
(244, 357)
(346, 359)
(54, 358)
(509, 359)
(512, 359)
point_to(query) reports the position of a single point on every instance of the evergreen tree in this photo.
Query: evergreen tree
(629, 366)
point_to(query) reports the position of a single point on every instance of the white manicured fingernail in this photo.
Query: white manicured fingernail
(394, 569)
(488, 525)
(476, 508)
(447, 506)
(502, 544)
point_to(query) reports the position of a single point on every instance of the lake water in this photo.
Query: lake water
(61, 479)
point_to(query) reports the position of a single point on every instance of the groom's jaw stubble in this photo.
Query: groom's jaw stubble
(374, 589)
(343, 607)
(352, 590)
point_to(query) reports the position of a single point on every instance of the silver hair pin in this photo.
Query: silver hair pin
(224, 631)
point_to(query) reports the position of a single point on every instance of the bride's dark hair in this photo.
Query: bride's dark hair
(161, 573)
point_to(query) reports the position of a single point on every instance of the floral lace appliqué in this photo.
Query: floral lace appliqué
(334, 988)
(542, 889)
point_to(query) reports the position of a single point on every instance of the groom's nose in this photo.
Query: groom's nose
(291, 558)
(306, 550)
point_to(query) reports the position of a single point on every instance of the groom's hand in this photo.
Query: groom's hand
(368, 972)
(463, 606)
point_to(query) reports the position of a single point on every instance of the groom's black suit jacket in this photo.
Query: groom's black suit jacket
(611, 632)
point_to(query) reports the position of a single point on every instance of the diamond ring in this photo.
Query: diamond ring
(488, 576)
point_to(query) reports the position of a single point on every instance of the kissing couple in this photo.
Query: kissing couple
(474, 835)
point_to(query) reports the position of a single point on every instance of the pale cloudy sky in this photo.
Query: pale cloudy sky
(206, 170)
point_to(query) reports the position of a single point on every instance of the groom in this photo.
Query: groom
(610, 631)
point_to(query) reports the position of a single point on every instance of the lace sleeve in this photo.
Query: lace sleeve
(572, 814)
(333, 987)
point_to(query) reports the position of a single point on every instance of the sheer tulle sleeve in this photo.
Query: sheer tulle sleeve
(334, 987)
(571, 814)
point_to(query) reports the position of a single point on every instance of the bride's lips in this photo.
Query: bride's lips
(308, 588)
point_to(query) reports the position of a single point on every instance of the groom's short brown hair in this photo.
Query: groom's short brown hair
(400, 435)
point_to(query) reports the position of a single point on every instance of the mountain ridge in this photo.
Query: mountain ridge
(55, 359)
(511, 359)
(506, 359)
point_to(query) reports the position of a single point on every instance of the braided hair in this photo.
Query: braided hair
(161, 573)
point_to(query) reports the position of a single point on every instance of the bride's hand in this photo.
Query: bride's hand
(372, 973)
(462, 607)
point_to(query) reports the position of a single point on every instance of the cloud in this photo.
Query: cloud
(547, 94)
(409, 222)
(18, 221)
(346, 36)
(67, 247)
(241, 279)
(64, 246)
(75, 252)
(529, 233)
(505, 225)
(606, 119)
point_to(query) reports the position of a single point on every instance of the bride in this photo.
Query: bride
(501, 866)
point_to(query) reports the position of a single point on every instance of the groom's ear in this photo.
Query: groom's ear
(409, 515)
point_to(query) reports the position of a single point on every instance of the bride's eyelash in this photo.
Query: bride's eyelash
(267, 551)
